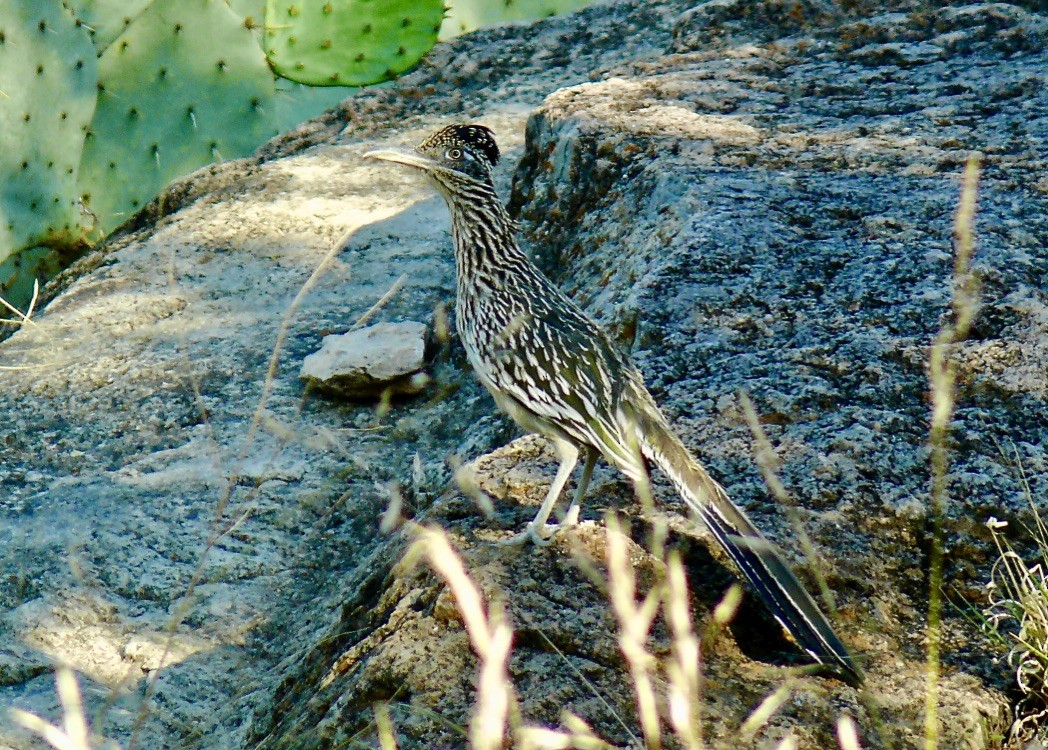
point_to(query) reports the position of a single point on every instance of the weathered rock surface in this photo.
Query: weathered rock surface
(756, 200)
(370, 362)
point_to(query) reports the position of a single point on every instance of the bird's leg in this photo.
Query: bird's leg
(538, 531)
(571, 517)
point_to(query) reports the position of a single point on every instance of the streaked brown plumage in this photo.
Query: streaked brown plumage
(556, 372)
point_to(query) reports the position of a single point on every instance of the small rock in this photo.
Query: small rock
(366, 363)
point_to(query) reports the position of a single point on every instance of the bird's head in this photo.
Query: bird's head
(454, 157)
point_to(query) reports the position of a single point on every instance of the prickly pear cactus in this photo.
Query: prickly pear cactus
(467, 15)
(105, 19)
(18, 273)
(252, 11)
(185, 84)
(349, 42)
(295, 102)
(47, 95)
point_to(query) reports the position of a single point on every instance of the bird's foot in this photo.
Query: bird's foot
(541, 534)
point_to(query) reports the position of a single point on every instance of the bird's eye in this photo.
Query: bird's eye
(454, 154)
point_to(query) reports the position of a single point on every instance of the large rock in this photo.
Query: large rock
(751, 200)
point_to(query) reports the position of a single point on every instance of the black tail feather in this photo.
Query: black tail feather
(759, 560)
(784, 595)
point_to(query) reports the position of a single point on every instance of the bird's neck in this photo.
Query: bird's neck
(484, 237)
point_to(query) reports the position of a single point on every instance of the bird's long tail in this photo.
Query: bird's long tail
(758, 559)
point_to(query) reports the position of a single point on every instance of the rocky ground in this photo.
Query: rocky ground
(751, 197)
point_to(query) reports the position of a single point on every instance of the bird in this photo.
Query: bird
(552, 368)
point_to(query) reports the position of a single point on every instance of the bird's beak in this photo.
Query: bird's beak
(410, 157)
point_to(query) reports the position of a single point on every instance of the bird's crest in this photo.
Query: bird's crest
(475, 138)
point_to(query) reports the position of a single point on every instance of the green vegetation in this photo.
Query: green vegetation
(103, 102)
(105, 19)
(1017, 616)
(466, 15)
(349, 42)
(184, 84)
(47, 97)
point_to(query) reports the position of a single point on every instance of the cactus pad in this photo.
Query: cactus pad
(467, 15)
(18, 273)
(105, 19)
(252, 11)
(185, 84)
(349, 42)
(47, 95)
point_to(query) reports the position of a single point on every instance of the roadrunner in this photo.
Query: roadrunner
(552, 368)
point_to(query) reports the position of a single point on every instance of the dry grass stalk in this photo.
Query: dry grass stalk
(634, 621)
(768, 462)
(578, 737)
(724, 612)
(74, 733)
(848, 733)
(762, 714)
(489, 633)
(387, 740)
(683, 670)
(942, 375)
(21, 320)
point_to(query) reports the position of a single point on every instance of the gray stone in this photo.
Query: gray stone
(763, 204)
(371, 361)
